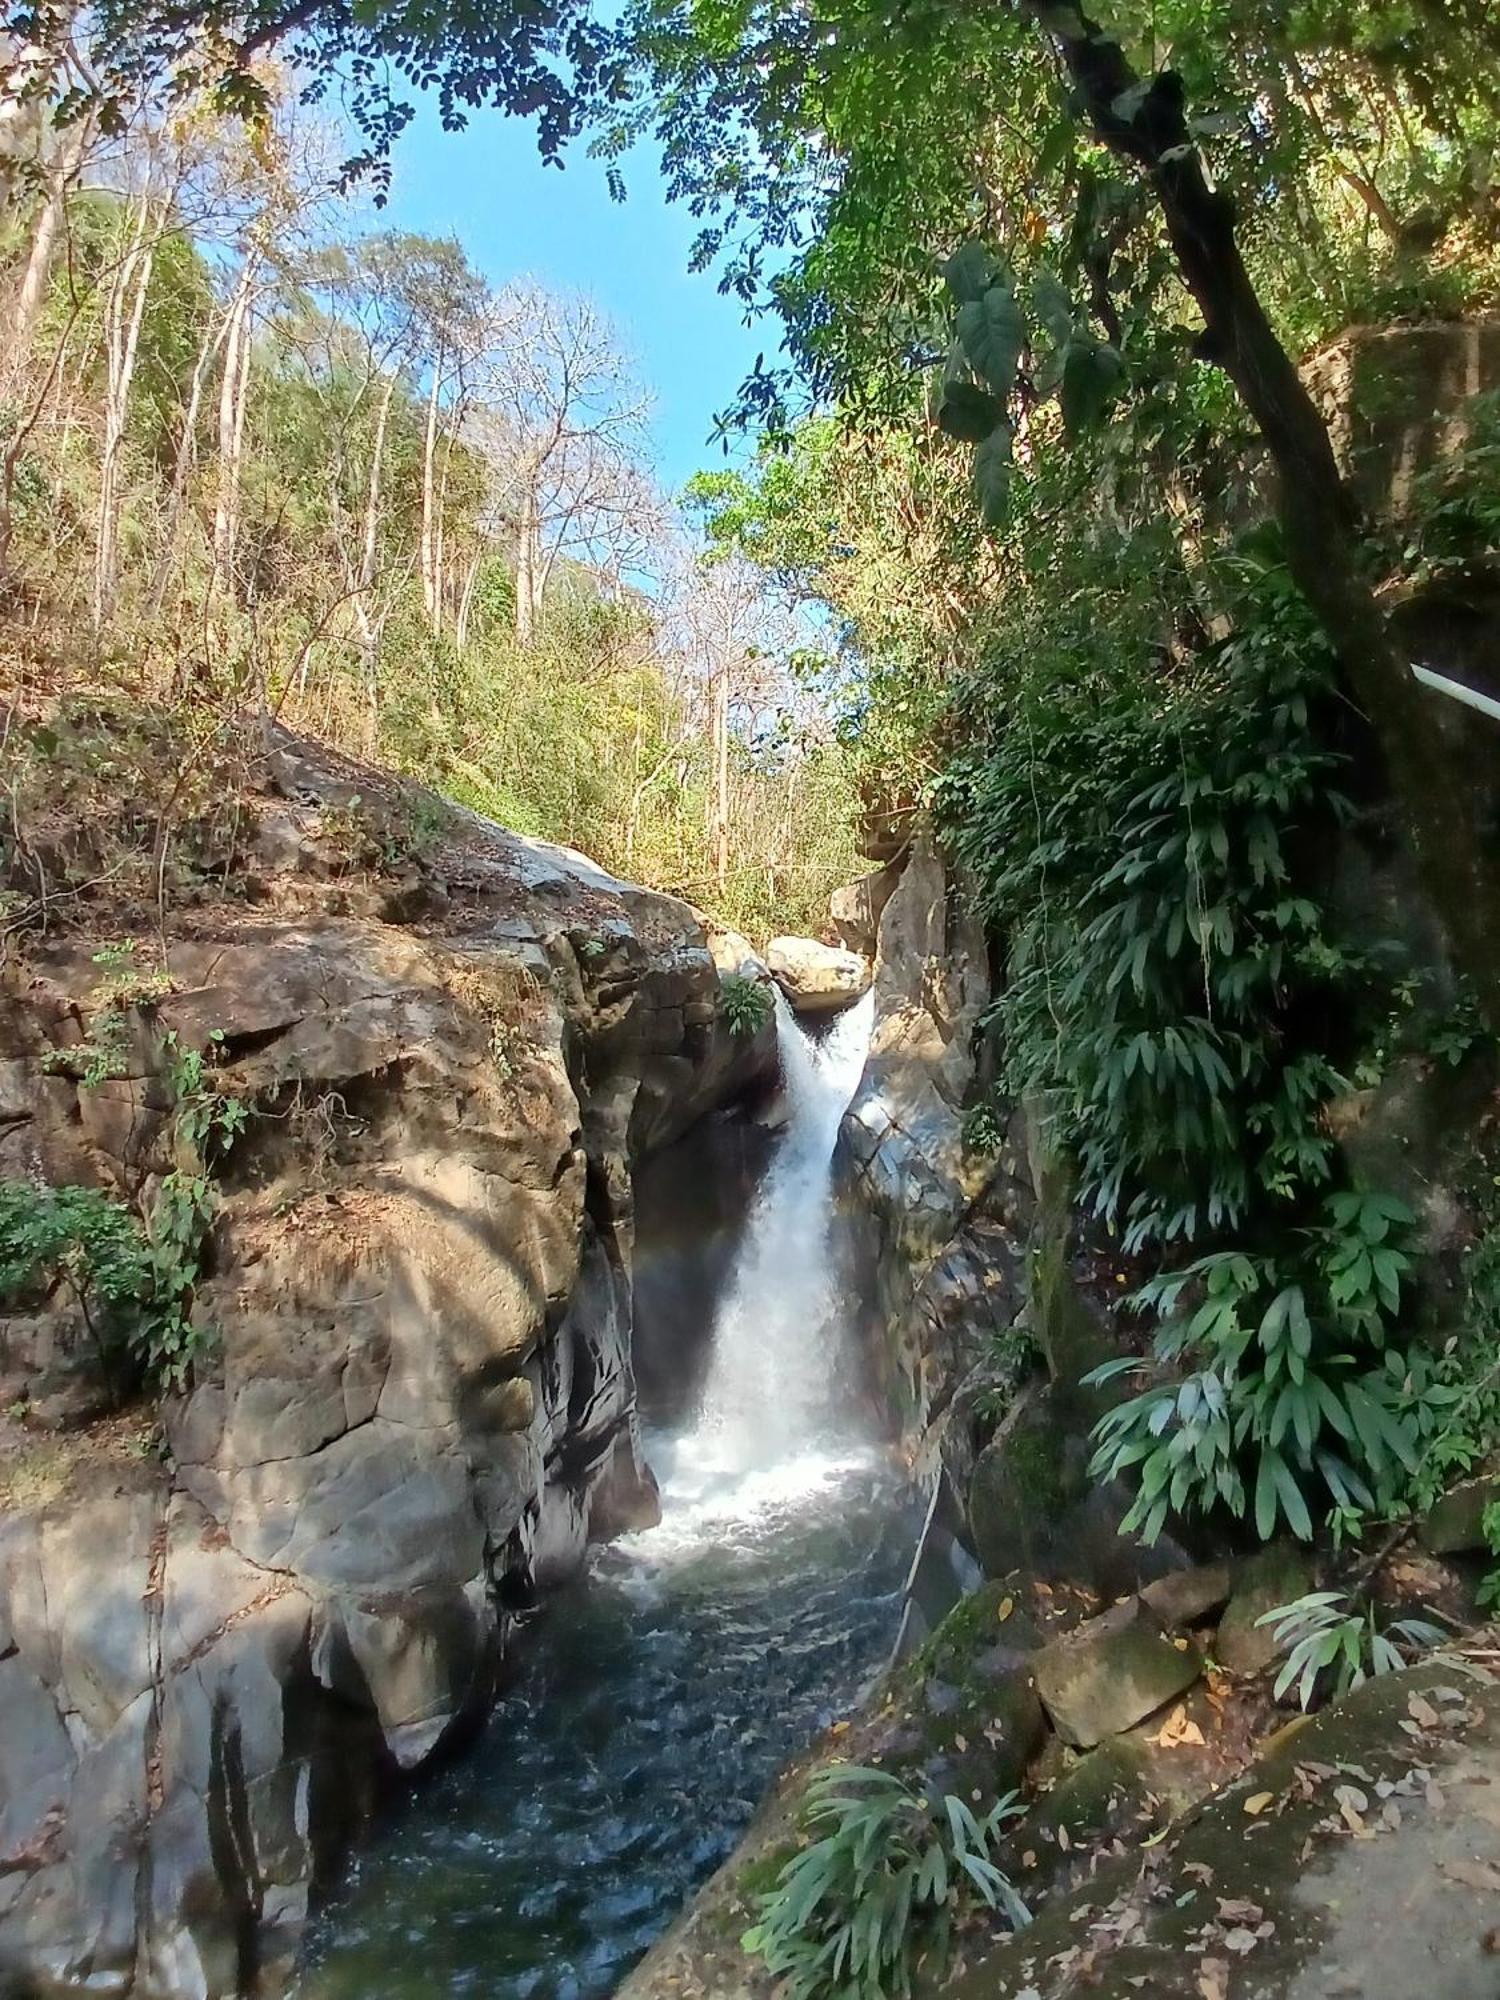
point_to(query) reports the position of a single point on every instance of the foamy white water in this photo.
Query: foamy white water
(772, 1430)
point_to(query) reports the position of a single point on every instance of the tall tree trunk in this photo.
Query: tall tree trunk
(721, 779)
(233, 394)
(185, 461)
(124, 310)
(527, 558)
(466, 600)
(429, 541)
(369, 554)
(1447, 816)
(31, 293)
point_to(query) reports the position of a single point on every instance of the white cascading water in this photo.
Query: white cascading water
(770, 1427)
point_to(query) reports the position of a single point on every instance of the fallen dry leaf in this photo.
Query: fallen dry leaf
(1421, 1711)
(1177, 1730)
(1213, 1979)
(1239, 1910)
(1474, 1874)
(1258, 1801)
(1240, 1940)
(1007, 1605)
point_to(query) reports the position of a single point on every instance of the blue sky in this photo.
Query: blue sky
(487, 186)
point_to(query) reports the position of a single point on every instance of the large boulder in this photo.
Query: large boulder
(418, 1403)
(935, 1229)
(817, 978)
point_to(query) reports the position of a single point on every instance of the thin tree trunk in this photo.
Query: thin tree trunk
(186, 459)
(1446, 814)
(32, 292)
(124, 310)
(526, 566)
(466, 600)
(364, 611)
(233, 388)
(430, 599)
(721, 779)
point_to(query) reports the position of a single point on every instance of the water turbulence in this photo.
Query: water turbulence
(656, 1698)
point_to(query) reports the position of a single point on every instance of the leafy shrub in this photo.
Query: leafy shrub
(132, 1278)
(1322, 1635)
(746, 1004)
(853, 1914)
(82, 1239)
(1291, 1376)
(1184, 1006)
(1137, 856)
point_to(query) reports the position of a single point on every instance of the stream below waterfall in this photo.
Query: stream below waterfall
(655, 1698)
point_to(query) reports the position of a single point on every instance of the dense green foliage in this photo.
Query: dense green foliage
(857, 1911)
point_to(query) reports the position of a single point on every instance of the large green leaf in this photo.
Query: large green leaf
(1091, 375)
(967, 412)
(970, 272)
(992, 332)
(992, 463)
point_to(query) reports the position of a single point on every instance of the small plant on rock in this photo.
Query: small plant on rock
(1325, 1638)
(746, 1004)
(81, 1239)
(853, 1914)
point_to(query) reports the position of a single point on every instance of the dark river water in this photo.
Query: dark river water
(655, 1701)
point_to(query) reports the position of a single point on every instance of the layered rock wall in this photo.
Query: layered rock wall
(418, 1404)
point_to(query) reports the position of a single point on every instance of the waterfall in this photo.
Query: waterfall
(654, 1703)
(771, 1423)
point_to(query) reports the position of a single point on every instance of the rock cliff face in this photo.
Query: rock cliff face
(419, 1403)
(937, 1228)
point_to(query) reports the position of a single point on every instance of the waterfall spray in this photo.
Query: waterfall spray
(771, 1422)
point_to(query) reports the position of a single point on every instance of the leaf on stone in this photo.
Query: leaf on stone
(992, 461)
(1178, 1729)
(970, 272)
(1421, 1711)
(992, 332)
(1213, 1979)
(1239, 1910)
(1258, 1801)
(967, 412)
(1240, 1940)
(1007, 1606)
(1474, 1874)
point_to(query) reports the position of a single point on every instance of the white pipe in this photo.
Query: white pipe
(1470, 697)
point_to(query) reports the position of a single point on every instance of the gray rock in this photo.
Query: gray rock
(1188, 1596)
(1271, 1577)
(420, 1405)
(817, 978)
(1111, 1673)
(1455, 1526)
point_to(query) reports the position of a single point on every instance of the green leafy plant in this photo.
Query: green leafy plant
(1325, 1638)
(746, 1004)
(856, 1911)
(89, 1243)
(1292, 1382)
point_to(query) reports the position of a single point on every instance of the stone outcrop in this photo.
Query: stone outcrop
(418, 1405)
(817, 978)
(937, 1229)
